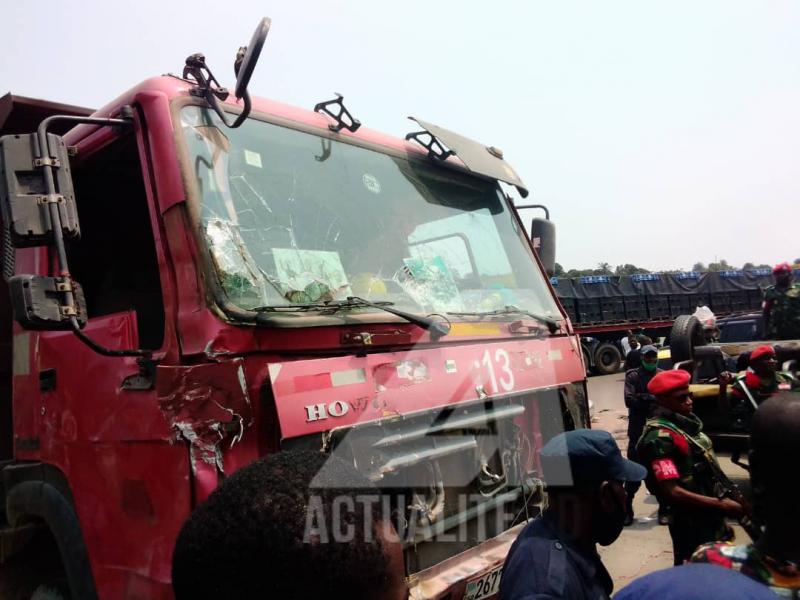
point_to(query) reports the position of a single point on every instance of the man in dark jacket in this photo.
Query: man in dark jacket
(639, 402)
(555, 556)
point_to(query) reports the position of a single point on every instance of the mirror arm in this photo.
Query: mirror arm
(542, 206)
(215, 104)
(102, 350)
(58, 235)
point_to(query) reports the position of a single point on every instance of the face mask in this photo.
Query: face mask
(649, 366)
(607, 526)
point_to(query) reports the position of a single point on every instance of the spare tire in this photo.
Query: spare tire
(607, 359)
(686, 334)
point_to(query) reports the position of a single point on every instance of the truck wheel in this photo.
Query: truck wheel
(586, 361)
(35, 573)
(607, 359)
(687, 333)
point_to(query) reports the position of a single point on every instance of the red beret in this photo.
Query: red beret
(668, 381)
(762, 351)
(783, 267)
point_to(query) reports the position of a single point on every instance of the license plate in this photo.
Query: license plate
(485, 586)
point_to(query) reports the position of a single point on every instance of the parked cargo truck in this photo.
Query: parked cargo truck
(195, 278)
(603, 308)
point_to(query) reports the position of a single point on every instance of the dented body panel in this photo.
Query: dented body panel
(223, 393)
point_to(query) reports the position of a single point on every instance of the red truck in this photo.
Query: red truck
(195, 279)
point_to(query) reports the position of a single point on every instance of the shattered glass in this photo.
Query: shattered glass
(291, 218)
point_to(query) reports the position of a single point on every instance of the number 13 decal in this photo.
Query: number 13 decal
(502, 361)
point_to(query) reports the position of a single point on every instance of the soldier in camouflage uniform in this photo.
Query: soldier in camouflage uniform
(762, 379)
(782, 306)
(759, 382)
(675, 451)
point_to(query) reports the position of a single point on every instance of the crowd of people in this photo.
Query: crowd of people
(556, 557)
(265, 532)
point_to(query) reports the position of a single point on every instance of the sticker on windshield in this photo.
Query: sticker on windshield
(371, 183)
(252, 158)
(311, 275)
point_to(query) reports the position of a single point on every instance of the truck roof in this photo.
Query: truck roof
(176, 87)
(22, 115)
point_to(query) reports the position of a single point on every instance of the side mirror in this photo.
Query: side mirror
(247, 57)
(24, 199)
(39, 303)
(37, 203)
(243, 66)
(543, 236)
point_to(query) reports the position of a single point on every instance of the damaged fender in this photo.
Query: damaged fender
(206, 405)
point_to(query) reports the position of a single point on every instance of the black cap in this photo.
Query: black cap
(586, 456)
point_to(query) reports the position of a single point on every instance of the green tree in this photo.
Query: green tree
(629, 269)
(603, 268)
(559, 271)
(722, 265)
(698, 266)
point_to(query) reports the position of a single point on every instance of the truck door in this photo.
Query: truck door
(98, 422)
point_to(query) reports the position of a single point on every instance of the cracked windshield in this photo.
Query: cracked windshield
(294, 219)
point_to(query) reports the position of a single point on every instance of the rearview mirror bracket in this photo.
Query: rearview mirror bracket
(209, 88)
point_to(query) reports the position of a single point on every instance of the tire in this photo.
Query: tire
(35, 573)
(607, 359)
(686, 334)
(586, 361)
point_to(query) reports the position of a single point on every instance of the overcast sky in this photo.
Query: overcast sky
(658, 133)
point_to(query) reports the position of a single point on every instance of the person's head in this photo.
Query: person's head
(649, 358)
(633, 343)
(584, 472)
(783, 274)
(695, 582)
(671, 389)
(774, 454)
(763, 361)
(289, 526)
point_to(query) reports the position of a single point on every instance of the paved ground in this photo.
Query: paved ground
(645, 546)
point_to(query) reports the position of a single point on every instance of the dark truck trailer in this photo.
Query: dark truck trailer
(604, 307)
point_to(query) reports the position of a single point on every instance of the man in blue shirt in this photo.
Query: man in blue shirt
(555, 556)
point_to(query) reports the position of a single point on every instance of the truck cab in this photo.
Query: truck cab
(293, 282)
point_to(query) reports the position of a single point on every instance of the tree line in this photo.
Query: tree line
(605, 268)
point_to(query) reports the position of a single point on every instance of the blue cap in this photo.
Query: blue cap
(586, 456)
(647, 349)
(695, 582)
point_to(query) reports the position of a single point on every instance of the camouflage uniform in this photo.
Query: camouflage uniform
(760, 390)
(782, 313)
(782, 578)
(672, 448)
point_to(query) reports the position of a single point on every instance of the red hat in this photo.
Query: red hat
(783, 267)
(765, 350)
(668, 381)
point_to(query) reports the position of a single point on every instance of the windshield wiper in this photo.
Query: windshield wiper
(552, 324)
(436, 328)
